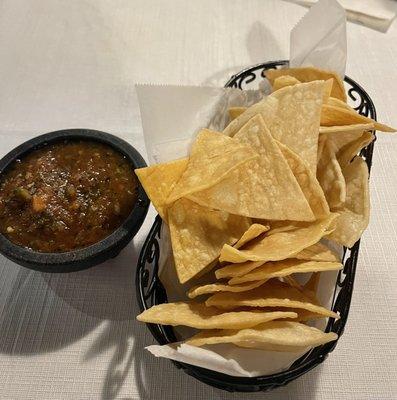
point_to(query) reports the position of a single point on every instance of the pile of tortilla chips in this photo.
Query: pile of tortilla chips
(250, 206)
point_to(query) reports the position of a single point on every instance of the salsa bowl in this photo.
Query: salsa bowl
(97, 251)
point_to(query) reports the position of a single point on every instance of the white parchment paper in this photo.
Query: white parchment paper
(171, 117)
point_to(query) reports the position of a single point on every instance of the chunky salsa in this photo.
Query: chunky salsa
(66, 196)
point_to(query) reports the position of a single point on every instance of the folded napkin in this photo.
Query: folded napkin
(375, 14)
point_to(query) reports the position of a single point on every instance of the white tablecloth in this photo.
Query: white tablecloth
(74, 64)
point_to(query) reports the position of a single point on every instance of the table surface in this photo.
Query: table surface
(74, 64)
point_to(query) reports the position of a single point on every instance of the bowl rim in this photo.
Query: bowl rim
(85, 257)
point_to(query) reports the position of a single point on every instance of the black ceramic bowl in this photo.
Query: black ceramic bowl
(98, 252)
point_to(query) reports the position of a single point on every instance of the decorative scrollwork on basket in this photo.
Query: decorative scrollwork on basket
(147, 274)
(249, 75)
(359, 102)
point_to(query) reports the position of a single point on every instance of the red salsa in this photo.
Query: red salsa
(66, 196)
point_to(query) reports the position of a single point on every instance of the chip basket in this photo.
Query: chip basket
(150, 291)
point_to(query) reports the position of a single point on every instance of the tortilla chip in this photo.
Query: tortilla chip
(234, 112)
(213, 156)
(159, 180)
(263, 188)
(284, 268)
(292, 115)
(347, 153)
(197, 315)
(345, 136)
(252, 232)
(316, 252)
(354, 217)
(332, 101)
(333, 116)
(279, 246)
(305, 315)
(308, 183)
(345, 130)
(198, 234)
(273, 293)
(283, 81)
(221, 287)
(329, 174)
(309, 74)
(273, 336)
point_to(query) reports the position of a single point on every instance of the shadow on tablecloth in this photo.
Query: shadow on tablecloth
(44, 312)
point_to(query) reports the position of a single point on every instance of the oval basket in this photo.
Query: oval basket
(150, 291)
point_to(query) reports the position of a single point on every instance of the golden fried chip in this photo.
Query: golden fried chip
(345, 136)
(332, 101)
(198, 234)
(197, 315)
(251, 233)
(234, 112)
(309, 74)
(240, 269)
(329, 83)
(221, 287)
(274, 336)
(273, 293)
(279, 246)
(283, 268)
(316, 252)
(159, 180)
(305, 315)
(347, 153)
(333, 116)
(213, 156)
(329, 174)
(345, 130)
(292, 115)
(263, 188)
(308, 182)
(284, 80)
(354, 217)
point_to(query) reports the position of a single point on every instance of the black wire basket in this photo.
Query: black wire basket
(150, 291)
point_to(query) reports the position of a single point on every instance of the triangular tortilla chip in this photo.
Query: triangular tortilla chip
(329, 174)
(234, 112)
(251, 233)
(272, 336)
(354, 217)
(333, 116)
(283, 268)
(309, 74)
(198, 234)
(345, 136)
(283, 81)
(347, 153)
(279, 246)
(159, 180)
(316, 252)
(213, 156)
(197, 315)
(263, 188)
(345, 130)
(332, 101)
(308, 183)
(292, 115)
(221, 287)
(273, 293)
